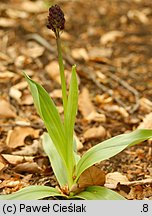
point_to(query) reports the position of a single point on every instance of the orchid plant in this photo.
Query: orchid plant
(59, 143)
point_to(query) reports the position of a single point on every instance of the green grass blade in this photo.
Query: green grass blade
(111, 147)
(49, 114)
(70, 116)
(99, 193)
(55, 160)
(32, 193)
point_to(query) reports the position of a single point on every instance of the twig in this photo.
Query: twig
(140, 182)
(129, 88)
(129, 184)
(40, 40)
(90, 75)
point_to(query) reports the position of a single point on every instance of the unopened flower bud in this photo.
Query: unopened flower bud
(56, 19)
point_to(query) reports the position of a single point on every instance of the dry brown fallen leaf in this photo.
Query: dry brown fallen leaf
(2, 166)
(97, 117)
(140, 15)
(101, 77)
(21, 85)
(53, 71)
(16, 159)
(21, 61)
(94, 133)
(140, 189)
(13, 13)
(32, 7)
(100, 54)
(91, 176)
(3, 163)
(15, 183)
(9, 183)
(87, 108)
(26, 99)
(79, 54)
(3, 146)
(6, 76)
(56, 93)
(145, 104)
(112, 180)
(29, 150)
(103, 99)
(111, 36)
(16, 137)
(139, 193)
(29, 167)
(147, 122)
(5, 22)
(34, 50)
(85, 104)
(15, 94)
(6, 110)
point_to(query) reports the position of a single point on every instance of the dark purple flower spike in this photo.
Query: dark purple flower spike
(56, 19)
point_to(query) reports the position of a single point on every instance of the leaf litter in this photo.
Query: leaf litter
(121, 39)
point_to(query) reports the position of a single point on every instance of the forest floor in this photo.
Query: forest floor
(110, 42)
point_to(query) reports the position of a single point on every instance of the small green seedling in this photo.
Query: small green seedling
(59, 143)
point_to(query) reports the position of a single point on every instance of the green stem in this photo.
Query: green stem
(62, 75)
(64, 92)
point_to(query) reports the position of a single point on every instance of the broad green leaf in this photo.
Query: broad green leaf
(55, 160)
(70, 116)
(32, 193)
(49, 114)
(111, 147)
(99, 193)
